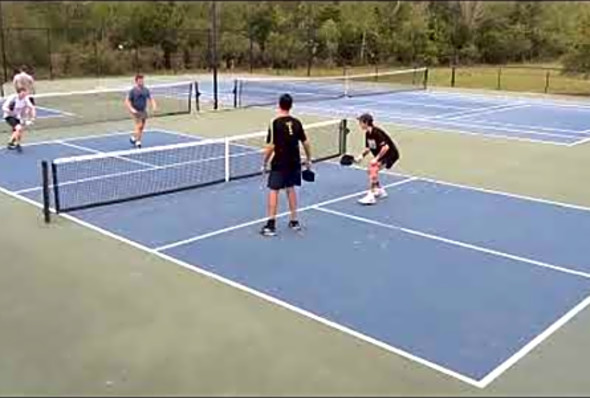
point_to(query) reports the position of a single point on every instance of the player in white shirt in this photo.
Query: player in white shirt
(18, 108)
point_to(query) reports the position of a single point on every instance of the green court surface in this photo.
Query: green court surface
(84, 314)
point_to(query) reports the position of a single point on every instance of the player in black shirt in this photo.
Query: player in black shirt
(385, 155)
(284, 135)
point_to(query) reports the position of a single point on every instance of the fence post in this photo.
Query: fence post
(49, 53)
(547, 82)
(95, 48)
(499, 86)
(3, 45)
(214, 53)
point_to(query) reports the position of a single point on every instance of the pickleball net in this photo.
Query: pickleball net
(98, 179)
(265, 91)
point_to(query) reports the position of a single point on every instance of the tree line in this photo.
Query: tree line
(84, 38)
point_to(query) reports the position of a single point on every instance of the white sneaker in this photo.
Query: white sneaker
(138, 144)
(381, 193)
(368, 199)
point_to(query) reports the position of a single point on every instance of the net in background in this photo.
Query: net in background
(96, 106)
(106, 178)
(266, 91)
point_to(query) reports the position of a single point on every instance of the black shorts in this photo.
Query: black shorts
(279, 179)
(12, 121)
(390, 159)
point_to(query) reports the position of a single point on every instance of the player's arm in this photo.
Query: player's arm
(128, 103)
(306, 148)
(153, 103)
(6, 107)
(268, 149)
(383, 150)
(32, 109)
(364, 153)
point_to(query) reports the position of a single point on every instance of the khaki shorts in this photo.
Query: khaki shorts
(140, 116)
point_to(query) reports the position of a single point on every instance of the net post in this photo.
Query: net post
(342, 136)
(235, 92)
(547, 82)
(55, 188)
(45, 181)
(426, 71)
(226, 159)
(197, 95)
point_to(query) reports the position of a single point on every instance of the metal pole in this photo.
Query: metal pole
(49, 52)
(3, 43)
(214, 52)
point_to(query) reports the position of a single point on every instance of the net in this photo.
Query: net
(95, 106)
(105, 178)
(260, 92)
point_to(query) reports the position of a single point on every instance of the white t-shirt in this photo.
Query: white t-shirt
(14, 106)
(25, 80)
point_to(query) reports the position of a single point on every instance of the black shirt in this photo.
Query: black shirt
(286, 132)
(376, 139)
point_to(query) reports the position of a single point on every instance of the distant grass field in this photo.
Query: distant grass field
(531, 78)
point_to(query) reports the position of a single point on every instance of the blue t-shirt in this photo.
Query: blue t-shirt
(138, 98)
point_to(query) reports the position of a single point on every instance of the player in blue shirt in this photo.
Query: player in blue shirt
(136, 103)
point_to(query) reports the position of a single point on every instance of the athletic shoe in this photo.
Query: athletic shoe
(19, 148)
(381, 193)
(268, 230)
(368, 199)
(294, 225)
(132, 140)
(138, 144)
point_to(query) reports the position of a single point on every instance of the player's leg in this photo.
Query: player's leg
(143, 118)
(293, 180)
(14, 140)
(275, 184)
(378, 189)
(139, 124)
(374, 186)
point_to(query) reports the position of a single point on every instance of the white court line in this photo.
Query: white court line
(476, 110)
(485, 112)
(484, 190)
(453, 242)
(83, 148)
(55, 141)
(253, 222)
(392, 119)
(421, 104)
(468, 124)
(580, 142)
(485, 123)
(535, 99)
(531, 345)
(263, 296)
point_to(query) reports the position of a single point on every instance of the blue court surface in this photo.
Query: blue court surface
(522, 118)
(462, 280)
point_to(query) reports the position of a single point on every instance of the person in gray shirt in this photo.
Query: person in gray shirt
(136, 103)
